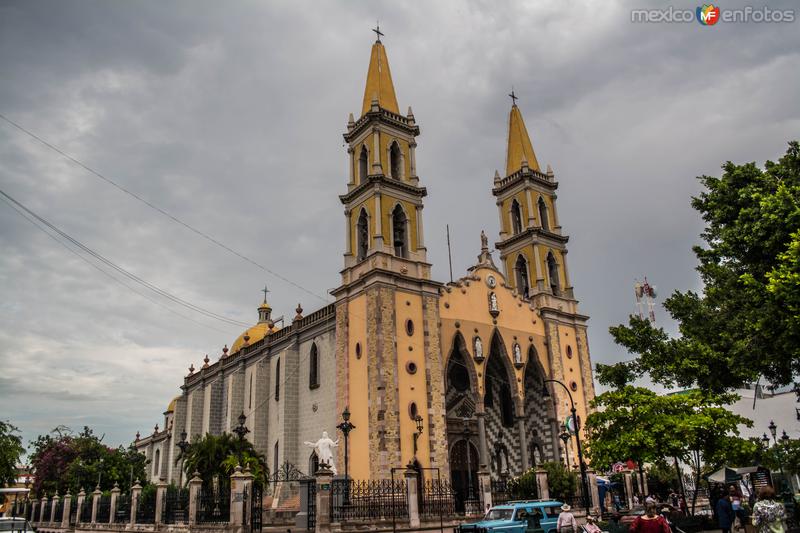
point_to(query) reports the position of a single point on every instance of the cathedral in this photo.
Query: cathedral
(447, 376)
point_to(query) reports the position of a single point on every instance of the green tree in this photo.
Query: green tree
(63, 461)
(745, 323)
(562, 482)
(11, 450)
(217, 456)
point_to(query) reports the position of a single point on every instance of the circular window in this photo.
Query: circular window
(573, 386)
(411, 367)
(569, 351)
(409, 327)
(413, 412)
(358, 350)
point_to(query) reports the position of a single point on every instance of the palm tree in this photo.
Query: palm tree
(218, 455)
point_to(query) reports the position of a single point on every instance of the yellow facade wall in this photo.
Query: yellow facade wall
(358, 393)
(411, 387)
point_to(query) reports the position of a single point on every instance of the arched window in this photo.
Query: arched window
(363, 164)
(506, 405)
(278, 380)
(395, 161)
(399, 237)
(543, 214)
(552, 272)
(313, 463)
(362, 235)
(313, 370)
(156, 464)
(516, 217)
(521, 273)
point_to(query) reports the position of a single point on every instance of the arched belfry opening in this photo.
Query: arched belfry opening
(545, 222)
(552, 273)
(516, 217)
(399, 232)
(363, 164)
(362, 235)
(395, 161)
(540, 421)
(521, 276)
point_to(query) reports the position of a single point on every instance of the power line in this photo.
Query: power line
(159, 209)
(105, 273)
(124, 272)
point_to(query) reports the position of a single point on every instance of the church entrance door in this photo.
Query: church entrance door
(464, 473)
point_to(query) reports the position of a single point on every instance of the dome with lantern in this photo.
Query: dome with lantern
(255, 333)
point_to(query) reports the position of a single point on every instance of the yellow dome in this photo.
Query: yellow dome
(171, 406)
(256, 333)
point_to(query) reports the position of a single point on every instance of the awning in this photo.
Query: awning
(725, 475)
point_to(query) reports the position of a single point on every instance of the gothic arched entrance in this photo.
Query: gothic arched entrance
(540, 422)
(464, 472)
(500, 411)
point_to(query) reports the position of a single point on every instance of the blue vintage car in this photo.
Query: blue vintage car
(530, 516)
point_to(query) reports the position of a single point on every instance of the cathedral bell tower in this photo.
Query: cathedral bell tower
(387, 308)
(533, 252)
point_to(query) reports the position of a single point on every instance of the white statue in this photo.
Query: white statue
(323, 448)
(478, 348)
(493, 302)
(517, 354)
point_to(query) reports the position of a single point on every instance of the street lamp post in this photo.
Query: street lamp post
(573, 410)
(469, 504)
(241, 430)
(784, 440)
(418, 420)
(183, 445)
(346, 427)
(565, 436)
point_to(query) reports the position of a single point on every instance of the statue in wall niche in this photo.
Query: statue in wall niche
(517, 354)
(324, 447)
(493, 302)
(478, 348)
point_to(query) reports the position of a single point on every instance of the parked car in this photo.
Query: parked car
(15, 524)
(529, 516)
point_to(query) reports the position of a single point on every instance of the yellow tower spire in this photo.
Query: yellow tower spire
(379, 80)
(519, 143)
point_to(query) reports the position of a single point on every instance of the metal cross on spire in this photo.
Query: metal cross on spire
(513, 96)
(265, 290)
(377, 31)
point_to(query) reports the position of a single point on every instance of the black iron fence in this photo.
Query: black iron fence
(58, 513)
(146, 507)
(73, 510)
(381, 499)
(175, 507)
(103, 515)
(437, 499)
(214, 506)
(500, 491)
(86, 511)
(122, 514)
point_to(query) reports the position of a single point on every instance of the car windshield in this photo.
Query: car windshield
(13, 525)
(499, 514)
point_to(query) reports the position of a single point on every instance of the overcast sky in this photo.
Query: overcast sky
(229, 116)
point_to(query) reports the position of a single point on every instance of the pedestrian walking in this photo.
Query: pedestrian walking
(566, 521)
(725, 516)
(769, 516)
(591, 525)
(650, 522)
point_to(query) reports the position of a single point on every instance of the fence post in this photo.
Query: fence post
(95, 502)
(65, 511)
(34, 505)
(81, 503)
(542, 483)
(594, 492)
(628, 488)
(237, 499)
(485, 487)
(136, 494)
(161, 491)
(324, 477)
(114, 497)
(247, 489)
(195, 484)
(412, 491)
(53, 505)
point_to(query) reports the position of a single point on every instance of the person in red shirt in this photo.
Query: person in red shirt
(650, 522)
